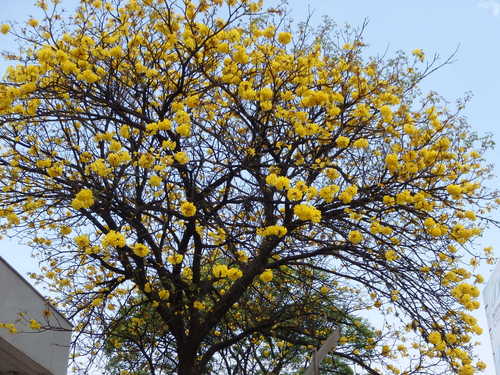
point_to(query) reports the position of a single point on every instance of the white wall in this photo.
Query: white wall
(491, 295)
(49, 348)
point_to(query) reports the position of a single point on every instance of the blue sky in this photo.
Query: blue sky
(434, 26)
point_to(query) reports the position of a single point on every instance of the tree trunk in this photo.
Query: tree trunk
(188, 368)
(188, 365)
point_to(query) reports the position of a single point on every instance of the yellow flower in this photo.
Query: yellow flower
(265, 94)
(152, 128)
(328, 192)
(13, 218)
(188, 209)
(294, 194)
(199, 305)
(146, 160)
(220, 270)
(386, 113)
(33, 22)
(391, 159)
(348, 194)
(355, 236)
(169, 145)
(419, 54)
(268, 32)
(234, 273)
(115, 146)
(342, 142)
(223, 48)
(69, 67)
(55, 171)
(324, 289)
(271, 179)
(11, 327)
(481, 365)
(85, 157)
(82, 241)
(155, 180)
(284, 37)
(390, 255)
(266, 276)
(306, 212)
(35, 325)
(4, 29)
(332, 173)
(272, 230)
(116, 52)
(164, 294)
(181, 157)
(279, 182)
(184, 130)
(360, 143)
(83, 199)
(113, 239)
(187, 273)
(242, 256)
(434, 338)
(99, 167)
(175, 259)
(410, 129)
(124, 131)
(89, 76)
(455, 191)
(65, 230)
(118, 158)
(165, 125)
(140, 249)
(43, 163)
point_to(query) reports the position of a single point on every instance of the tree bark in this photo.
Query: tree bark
(188, 368)
(188, 365)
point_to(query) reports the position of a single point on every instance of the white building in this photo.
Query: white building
(491, 295)
(29, 352)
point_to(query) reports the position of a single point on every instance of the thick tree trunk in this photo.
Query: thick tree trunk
(188, 365)
(188, 368)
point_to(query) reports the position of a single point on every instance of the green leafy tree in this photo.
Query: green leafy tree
(142, 344)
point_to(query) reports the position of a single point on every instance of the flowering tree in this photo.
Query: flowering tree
(204, 163)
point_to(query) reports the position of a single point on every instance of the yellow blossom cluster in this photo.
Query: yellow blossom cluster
(140, 250)
(188, 209)
(175, 259)
(221, 271)
(348, 194)
(266, 276)
(466, 294)
(355, 236)
(113, 239)
(279, 182)
(11, 327)
(82, 241)
(83, 199)
(306, 212)
(164, 294)
(272, 230)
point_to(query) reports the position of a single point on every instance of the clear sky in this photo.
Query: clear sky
(434, 26)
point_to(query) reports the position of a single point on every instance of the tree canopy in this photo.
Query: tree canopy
(211, 165)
